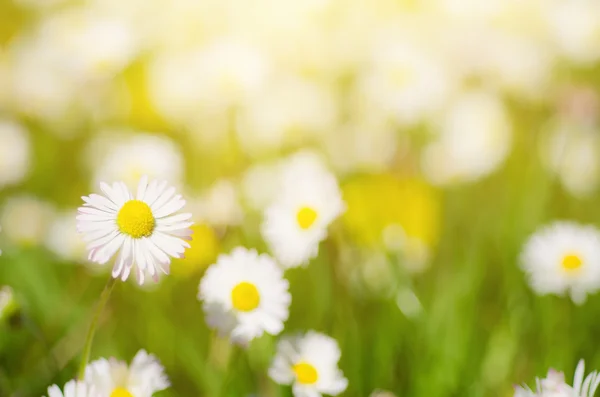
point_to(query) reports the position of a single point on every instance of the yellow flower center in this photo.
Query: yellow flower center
(306, 217)
(245, 297)
(120, 392)
(136, 219)
(571, 262)
(305, 373)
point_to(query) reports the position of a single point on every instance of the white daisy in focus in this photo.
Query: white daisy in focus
(474, 138)
(14, 153)
(554, 385)
(25, 220)
(145, 228)
(64, 240)
(244, 295)
(308, 201)
(114, 378)
(563, 257)
(310, 364)
(73, 389)
(130, 158)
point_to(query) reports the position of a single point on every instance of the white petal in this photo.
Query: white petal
(142, 186)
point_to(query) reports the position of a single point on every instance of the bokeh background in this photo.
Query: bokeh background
(455, 128)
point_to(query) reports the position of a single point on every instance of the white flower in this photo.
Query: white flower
(73, 389)
(554, 385)
(14, 153)
(145, 229)
(309, 200)
(64, 240)
(309, 362)
(130, 158)
(474, 139)
(563, 257)
(244, 294)
(219, 206)
(25, 220)
(144, 377)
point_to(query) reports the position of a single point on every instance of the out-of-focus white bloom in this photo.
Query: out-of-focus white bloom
(474, 139)
(244, 294)
(289, 110)
(563, 257)
(576, 29)
(309, 200)
(144, 377)
(25, 220)
(146, 229)
(405, 80)
(8, 303)
(571, 150)
(64, 240)
(260, 185)
(129, 158)
(219, 206)
(554, 385)
(310, 364)
(74, 389)
(14, 153)
(224, 73)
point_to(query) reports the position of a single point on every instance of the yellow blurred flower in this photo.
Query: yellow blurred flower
(204, 250)
(378, 202)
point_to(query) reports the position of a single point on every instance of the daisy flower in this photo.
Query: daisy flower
(73, 389)
(145, 229)
(309, 362)
(14, 153)
(563, 257)
(244, 294)
(309, 200)
(554, 385)
(113, 378)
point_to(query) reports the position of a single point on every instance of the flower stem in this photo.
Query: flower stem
(87, 348)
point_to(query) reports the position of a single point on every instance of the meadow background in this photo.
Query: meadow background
(455, 128)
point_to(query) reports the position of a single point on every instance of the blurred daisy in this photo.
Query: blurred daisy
(146, 229)
(563, 257)
(309, 363)
(554, 385)
(474, 138)
(73, 389)
(219, 206)
(64, 240)
(14, 153)
(137, 155)
(25, 220)
(308, 201)
(144, 377)
(244, 294)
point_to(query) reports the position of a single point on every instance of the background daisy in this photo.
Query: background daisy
(244, 294)
(74, 389)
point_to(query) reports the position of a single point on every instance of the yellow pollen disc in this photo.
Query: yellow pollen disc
(120, 392)
(305, 373)
(245, 297)
(571, 262)
(136, 219)
(306, 217)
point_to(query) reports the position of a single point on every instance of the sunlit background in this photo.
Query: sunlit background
(455, 129)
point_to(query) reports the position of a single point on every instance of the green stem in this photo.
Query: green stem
(87, 348)
(233, 359)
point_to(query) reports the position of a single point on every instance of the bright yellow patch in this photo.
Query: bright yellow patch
(305, 373)
(136, 219)
(306, 217)
(245, 297)
(571, 262)
(120, 392)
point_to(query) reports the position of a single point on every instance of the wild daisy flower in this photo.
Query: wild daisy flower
(309, 200)
(554, 385)
(309, 362)
(73, 389)
(113, 378)
(244, 295)
(563, 257)
(145, 229)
